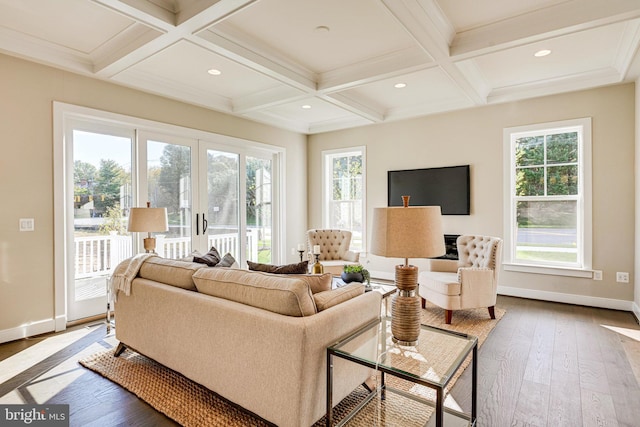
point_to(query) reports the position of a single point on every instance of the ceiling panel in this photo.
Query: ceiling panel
(431, 86)
(574, 54)
(469, 14)
(186, 64)
(76, 24)
(354, 31)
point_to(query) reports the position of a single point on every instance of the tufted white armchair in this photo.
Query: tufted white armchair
(334, 249)
(469, 282)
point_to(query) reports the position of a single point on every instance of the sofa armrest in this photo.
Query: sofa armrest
(351, 256)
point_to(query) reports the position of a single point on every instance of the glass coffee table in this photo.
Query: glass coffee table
(426, 369)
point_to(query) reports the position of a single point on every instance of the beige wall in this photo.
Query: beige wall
(27, 91)
(474, 137)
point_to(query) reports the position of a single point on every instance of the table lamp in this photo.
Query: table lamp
(407, 232)
(148, 220)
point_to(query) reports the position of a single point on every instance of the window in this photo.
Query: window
(344, 193)
(548, 196)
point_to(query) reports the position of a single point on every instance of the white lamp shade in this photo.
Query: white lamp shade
(407, 232)
(148, 220)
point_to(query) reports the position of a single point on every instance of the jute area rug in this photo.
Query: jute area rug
(191, 404)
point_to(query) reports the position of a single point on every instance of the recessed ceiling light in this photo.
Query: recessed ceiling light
(400, 85)
(306, 107)
(541, 53)
(214, 72)
(322, 29)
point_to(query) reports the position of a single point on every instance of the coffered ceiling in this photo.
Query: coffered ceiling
(318, 65)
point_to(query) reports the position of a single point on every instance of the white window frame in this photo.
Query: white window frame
(327, 176)
(584, 198)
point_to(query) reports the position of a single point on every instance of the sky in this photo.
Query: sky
(92, 147)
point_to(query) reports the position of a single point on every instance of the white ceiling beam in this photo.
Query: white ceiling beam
(431, 29)
(148, 15)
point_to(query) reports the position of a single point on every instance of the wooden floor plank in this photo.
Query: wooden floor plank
(565, 404)
(541, 355)
(597, 409)
(533, 410)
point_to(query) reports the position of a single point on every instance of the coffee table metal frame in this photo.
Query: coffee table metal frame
(383, 331)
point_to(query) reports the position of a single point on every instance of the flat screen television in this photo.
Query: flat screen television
(447, 187)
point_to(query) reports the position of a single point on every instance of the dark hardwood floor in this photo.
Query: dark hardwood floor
(545, 364)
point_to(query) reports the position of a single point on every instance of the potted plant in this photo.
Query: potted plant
(355, 273)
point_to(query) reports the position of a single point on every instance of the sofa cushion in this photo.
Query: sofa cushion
(170, 271)
(317, 282)
(442, 282)
(298, 268)
(333, 297)
(280, 294)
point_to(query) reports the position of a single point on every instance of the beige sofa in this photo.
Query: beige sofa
(257, 339)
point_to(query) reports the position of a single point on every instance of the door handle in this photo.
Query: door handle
(205, 223)
(197, 224)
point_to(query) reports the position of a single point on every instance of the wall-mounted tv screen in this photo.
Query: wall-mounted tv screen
(447, 187)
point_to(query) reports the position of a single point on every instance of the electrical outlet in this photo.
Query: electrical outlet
(597, 274)
(622, 277)
(27, 224)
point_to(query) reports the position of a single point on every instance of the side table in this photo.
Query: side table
(438, 355)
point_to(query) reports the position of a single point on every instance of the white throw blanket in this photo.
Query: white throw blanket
(125, 272)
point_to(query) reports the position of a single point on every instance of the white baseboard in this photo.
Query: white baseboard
(24, 331)
(636, 312)
(615, 304)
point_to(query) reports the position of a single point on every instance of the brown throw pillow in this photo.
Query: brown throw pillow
(299, 268)
(211, 258)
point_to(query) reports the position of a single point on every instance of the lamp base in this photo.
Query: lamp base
(405, 307)
(150, 244)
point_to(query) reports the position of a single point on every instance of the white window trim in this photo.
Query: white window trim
(326, 177)
(585, 205)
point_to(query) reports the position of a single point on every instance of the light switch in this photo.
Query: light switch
(27, 224)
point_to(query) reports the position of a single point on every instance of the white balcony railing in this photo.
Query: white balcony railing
(98, 255)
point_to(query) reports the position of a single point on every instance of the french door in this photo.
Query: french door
(215, 194)
(100, 162)
(236, 196)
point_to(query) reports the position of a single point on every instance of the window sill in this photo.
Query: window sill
(552, 271)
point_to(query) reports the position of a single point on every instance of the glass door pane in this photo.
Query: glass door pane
(221, 223)
(259, 210)
(169, 174)
(101, 196)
